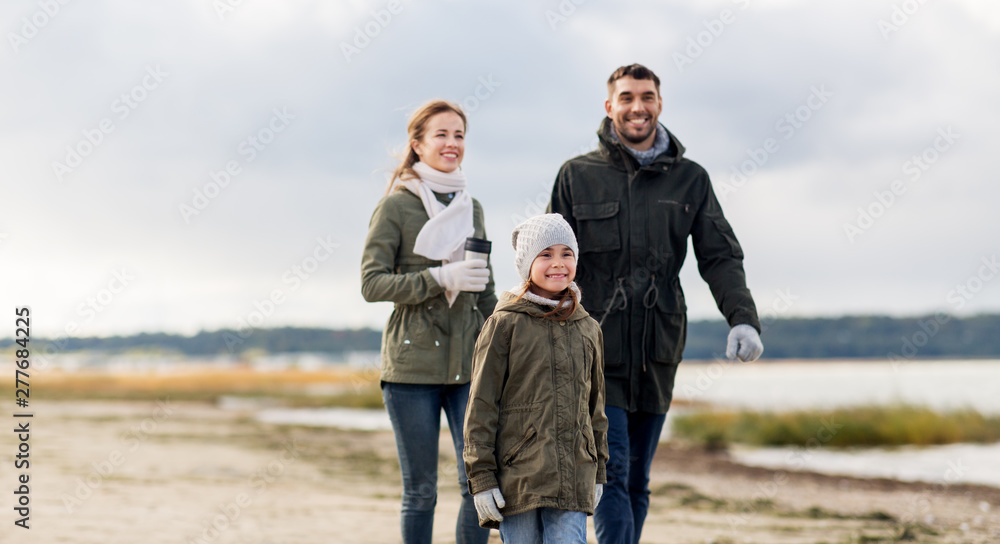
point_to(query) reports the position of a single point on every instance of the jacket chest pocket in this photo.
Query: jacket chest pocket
(674, 219)
(597, 226)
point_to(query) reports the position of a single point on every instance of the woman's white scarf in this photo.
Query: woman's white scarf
(442, 238)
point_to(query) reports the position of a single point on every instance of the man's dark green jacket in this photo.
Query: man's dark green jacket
(633, 223)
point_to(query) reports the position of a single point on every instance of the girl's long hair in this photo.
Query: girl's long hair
(415, 131)
(562, 311)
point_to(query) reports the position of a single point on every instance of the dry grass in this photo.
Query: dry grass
(892, 425)
(294, 387)
(344, 387)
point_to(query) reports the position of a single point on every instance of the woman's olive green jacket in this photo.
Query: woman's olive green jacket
(424, 341)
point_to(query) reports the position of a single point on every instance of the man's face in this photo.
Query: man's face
(634, 107)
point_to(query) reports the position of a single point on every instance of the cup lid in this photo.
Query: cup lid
(478, 245)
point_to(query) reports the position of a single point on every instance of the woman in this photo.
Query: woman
(413, 257)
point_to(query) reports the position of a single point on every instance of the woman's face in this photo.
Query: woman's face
(443, 144)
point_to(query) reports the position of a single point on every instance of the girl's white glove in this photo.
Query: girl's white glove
(598, 493)
(471, 275)
(744, 342)
(489, 503)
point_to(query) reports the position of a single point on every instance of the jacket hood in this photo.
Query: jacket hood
(509, 302)
(614, 151)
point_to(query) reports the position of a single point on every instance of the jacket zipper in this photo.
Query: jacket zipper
(576, 382)
(632, 175)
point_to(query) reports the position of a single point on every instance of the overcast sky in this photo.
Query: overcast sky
(117, 115)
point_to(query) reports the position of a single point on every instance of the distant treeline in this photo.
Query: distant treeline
(844, 337)
(937, 335)
(225, 341)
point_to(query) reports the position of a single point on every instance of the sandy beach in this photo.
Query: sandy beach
(175, 472)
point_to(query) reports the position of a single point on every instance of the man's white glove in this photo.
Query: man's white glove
(744, 342)
(471, 275)
(598, 493)
(489, 503)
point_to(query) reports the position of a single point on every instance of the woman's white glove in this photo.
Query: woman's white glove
(598, 493)
(489, 503)
(744, 342)
(471, 275)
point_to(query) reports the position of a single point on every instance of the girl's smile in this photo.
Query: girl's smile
(552, 271)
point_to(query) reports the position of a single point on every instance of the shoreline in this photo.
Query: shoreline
(671, 455)
(922, 465)
(194, 473)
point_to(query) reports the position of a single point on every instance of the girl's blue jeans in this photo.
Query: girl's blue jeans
(548, 525)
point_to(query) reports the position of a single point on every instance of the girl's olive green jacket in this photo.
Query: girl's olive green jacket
(535, 424)
(424, 341)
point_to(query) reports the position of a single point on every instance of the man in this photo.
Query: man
(633, 203)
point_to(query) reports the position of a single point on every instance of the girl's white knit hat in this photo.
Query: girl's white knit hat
(537, 233)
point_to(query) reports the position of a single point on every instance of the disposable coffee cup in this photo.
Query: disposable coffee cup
(477, 248)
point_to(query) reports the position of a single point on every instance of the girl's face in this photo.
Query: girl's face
(552, 271)
(443, 144)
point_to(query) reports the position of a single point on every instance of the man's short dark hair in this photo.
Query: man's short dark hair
(635, 71)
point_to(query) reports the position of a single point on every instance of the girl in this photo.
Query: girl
(535, 430)
(413, 257)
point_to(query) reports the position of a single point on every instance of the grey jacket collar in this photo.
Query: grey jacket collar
(616, 152)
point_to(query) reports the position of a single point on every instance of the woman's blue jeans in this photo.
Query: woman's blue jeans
(415, 412)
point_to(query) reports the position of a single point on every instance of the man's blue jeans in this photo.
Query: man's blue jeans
(548, 525)
(415, 412)
(632, 440)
